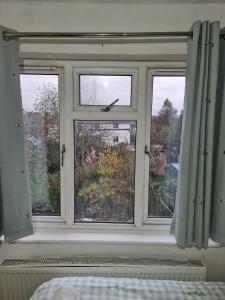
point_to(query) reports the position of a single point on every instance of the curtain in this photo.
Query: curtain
(194, 202)
(15, 203)
(217, 232)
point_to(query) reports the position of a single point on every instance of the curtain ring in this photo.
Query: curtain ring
(211, 44)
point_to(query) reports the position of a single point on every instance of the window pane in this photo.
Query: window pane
(104, 171)
(166, 124)
(104, 89)
(41, 121)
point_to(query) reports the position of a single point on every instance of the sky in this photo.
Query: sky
(171, 87)
(29, 87)
(110, 88)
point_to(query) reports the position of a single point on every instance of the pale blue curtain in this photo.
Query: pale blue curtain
(15, 203)
(195, 205)
(217, 232)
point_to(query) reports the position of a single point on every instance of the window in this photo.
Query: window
(96, 164)
(115, 139)
(104, 89)
(165, 135)
(41, 120)
(101, 87)
(104, 171)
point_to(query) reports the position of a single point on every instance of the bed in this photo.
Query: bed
(99, 288)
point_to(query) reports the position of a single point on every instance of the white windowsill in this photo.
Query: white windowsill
(49, 237)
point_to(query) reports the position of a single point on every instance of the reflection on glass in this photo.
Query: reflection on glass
(104, 89)
(104, 171)
(166, 125)
(41, 122)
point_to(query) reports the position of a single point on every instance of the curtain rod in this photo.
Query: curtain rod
(101, 35)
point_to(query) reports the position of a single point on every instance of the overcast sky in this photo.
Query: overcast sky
(107, 89)
(171, 87)
(111, 87)
(29, 87)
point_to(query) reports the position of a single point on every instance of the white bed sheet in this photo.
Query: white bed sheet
(99, 288)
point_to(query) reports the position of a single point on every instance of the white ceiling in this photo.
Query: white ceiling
(123, 1)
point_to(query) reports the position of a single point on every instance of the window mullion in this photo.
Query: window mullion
(68, 196)
(140, 157)
(147, 139)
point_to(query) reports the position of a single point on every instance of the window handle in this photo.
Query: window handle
(63, 150)
(110, 106)
(149, 154)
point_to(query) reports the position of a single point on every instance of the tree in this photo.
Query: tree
(47, 99)
(165, 136)
(36, 157)
(92, 90)
(177, 136)
(108, 195)
(163, 123)
(43, 148)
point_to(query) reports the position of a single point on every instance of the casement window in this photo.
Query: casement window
(164, 125)
(40, 98)
(103, 141)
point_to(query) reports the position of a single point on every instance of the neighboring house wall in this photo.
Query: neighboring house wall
(118, 134)
(24, 16)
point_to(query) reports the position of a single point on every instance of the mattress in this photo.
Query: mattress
(99, 288)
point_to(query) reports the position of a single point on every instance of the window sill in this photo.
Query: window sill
(99, 238)
(49, 237)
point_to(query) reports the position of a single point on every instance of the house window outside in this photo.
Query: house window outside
(115, 139)
(41, 122)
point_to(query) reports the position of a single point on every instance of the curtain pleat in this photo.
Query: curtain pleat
(191, 223)
(15, 203)
(217, 225)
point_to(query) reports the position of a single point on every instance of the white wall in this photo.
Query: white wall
(40, 16)
(106, 17)
(111, 17)
(213, 258)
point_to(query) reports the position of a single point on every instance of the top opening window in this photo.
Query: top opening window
(103, 90)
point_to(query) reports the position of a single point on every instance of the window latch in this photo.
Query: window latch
(63, 150)
(149, 154)
(110, 106)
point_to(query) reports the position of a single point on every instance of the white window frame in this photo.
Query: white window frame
(45, 70)
(151, 74)
(106, 70)
(69, 111)
(124, 113)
